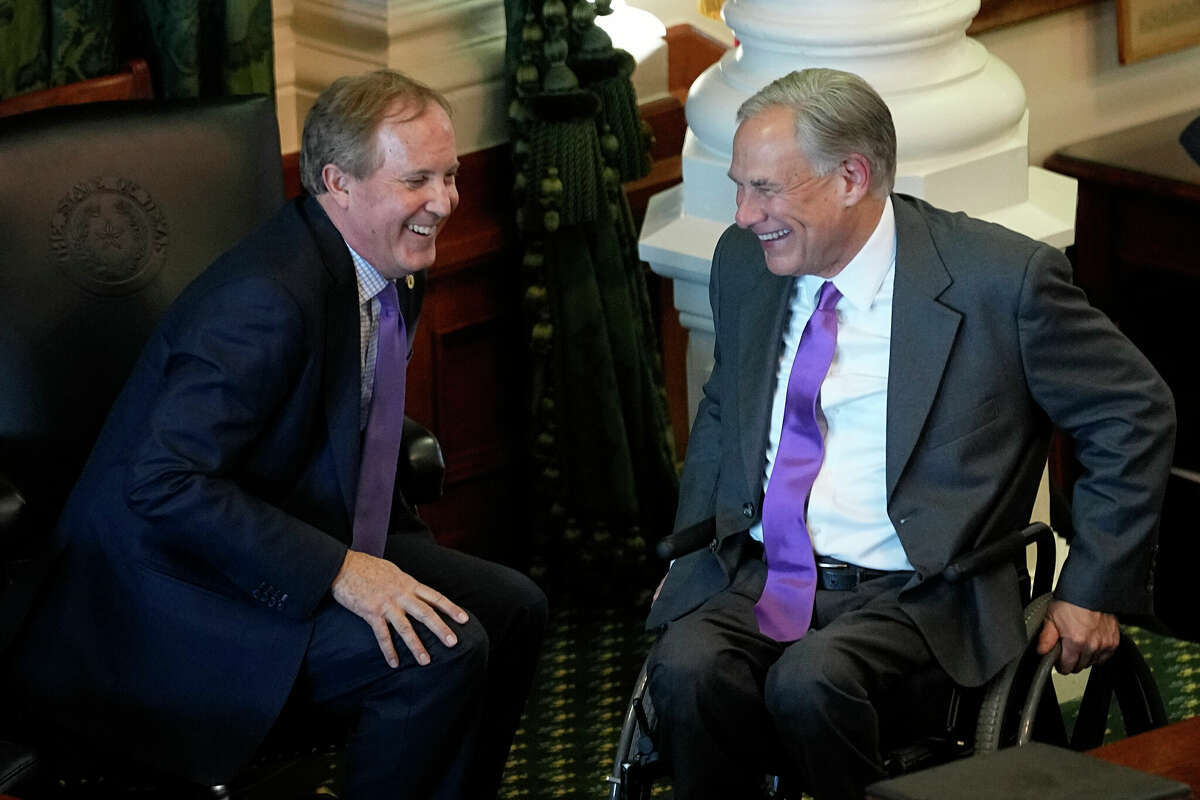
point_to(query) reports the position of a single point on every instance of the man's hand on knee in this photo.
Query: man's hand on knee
(384, 595)
(1088, 637)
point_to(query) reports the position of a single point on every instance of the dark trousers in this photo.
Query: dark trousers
(734, 705)
(441, 730)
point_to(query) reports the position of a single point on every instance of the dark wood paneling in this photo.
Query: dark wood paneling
(689, 52)
(131, 83)
(1135, 253)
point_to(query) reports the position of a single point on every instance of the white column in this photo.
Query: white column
(455, 46)
(961, 124)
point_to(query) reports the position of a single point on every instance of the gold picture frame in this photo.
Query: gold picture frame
(1148, 28)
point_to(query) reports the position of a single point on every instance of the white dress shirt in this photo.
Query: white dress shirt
(847, 510)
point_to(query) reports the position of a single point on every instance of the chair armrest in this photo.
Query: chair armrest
(1009, 549)
(421, 469)
(684, 541)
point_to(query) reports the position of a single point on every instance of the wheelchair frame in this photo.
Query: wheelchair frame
(1014, 708)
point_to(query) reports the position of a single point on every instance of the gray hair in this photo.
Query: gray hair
(837, 114)
(340, 127)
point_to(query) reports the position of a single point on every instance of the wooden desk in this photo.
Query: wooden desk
(1137, 255)
(1137, 249)
(1173, 752)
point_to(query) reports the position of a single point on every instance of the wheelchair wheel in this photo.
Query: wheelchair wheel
(637, 764)
(1020, 704)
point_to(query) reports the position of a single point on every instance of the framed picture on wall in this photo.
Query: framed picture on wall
(1147, 28)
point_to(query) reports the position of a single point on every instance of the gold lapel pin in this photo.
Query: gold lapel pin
(410, 281)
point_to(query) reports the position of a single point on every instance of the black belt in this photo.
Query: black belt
(838, 576)
(832, 575)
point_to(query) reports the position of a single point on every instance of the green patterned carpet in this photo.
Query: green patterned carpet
(566, 742)
(565, 746)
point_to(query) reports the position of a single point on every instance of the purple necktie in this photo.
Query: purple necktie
(784, 611)
(385, 425)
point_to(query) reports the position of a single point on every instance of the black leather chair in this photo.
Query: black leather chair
(107, 211)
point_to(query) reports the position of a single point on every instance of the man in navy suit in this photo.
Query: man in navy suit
(958, 343)
(208, 574)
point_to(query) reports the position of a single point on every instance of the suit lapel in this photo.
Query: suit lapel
(923, 333)
(341, 367)
(764, 312)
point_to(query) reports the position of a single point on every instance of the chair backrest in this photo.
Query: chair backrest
(107, 211)
(131, 83)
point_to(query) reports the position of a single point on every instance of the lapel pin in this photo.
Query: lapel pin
(410, 281)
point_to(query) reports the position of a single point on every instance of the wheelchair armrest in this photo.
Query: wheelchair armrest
(421, 469)
(684, 541)
(1008, 549)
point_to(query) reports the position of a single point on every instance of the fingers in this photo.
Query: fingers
(404, 630)
(1088, 637)
(1079, 654)
(658, 590)
(384, 637)
(388, 599)
(1069, 658)
(1047, 637)
(441, 602)
(424, 613)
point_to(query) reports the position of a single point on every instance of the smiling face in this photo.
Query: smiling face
(807, 224)
(392, 217)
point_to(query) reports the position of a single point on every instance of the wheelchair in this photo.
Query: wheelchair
(1017, 706)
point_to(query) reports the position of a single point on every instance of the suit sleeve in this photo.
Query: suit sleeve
(1100, 390)
(702, 464)
(226, 376)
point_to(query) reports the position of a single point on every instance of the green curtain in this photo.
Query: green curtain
(604, 479)
(193, 47)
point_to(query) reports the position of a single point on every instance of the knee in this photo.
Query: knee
(527, 609)
(532, 605)
(803, 689)
(467, 661)
(682, 675)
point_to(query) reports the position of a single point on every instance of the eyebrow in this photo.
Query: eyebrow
(453, 170)
(755, 183)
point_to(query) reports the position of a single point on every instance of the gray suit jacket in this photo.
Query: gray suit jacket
(991, 344)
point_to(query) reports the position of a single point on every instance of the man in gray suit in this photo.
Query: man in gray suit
(957, 344)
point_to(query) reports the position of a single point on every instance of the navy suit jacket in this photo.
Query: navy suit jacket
(215, 510)
(990, 344)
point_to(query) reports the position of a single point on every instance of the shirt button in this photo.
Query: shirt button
(748, 510)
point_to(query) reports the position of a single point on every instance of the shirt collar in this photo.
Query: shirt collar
(861, 279)
(370, 282)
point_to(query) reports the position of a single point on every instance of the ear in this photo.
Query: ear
(855, 174)
(337, 184)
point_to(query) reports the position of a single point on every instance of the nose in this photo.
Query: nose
(749, 210)
(443, 198)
